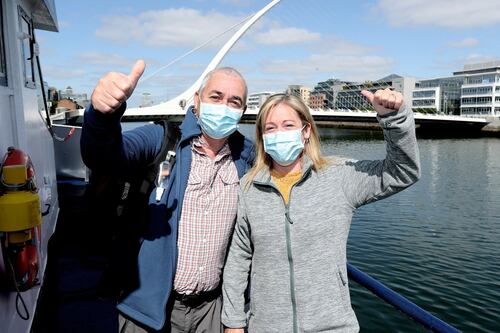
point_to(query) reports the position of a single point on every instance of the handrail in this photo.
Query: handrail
(401, 303)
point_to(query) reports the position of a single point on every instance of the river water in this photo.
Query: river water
(438, 242)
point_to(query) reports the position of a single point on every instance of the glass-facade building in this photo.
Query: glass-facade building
(350, 97)
(318, 101)
(300, 91)
(327, 90)
(440, 95)
(480, 92)
(473, 92)
(256, 100)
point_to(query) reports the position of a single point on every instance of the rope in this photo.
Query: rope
(19, 297)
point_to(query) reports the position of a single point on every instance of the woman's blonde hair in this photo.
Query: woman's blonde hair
(311, 146)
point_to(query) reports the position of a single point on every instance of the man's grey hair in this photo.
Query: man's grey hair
(226, 70)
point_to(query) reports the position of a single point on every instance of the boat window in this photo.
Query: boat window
(27, 48)
(3, 62)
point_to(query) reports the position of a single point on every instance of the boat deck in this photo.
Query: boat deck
(78, 254)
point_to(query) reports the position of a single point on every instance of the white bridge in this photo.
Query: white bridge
(176, 108)
(163, 111)
(427, 125)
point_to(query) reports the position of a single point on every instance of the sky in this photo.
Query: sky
(297, 42)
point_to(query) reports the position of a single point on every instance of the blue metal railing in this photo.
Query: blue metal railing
(399, 302)
(74, 182)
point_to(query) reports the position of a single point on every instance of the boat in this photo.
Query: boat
(25, 229)
(52, 145)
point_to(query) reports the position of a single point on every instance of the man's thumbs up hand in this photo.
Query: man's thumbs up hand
(136, 73)
(115, 88)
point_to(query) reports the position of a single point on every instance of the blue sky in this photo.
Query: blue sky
(297, 42)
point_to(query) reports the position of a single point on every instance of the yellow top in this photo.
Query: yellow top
(285, 182)
(19, 210)
(14, 174)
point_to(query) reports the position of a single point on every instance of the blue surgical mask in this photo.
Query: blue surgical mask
(218, 120)
(284, 146)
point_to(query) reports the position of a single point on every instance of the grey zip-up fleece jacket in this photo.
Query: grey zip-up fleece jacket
(296, 253)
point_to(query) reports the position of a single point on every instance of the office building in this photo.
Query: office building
(80, 99)
(318, 101)
(350, 97)
(256, 100)
(146, 100)
(329, 89)
(299, 91)
(480, 91)
(438, 95)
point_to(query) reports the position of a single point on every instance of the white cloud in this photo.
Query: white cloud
(466, 42)
(104, 59)
(64, 25)
(280, 36)
(274, 84)
(166, 28)
(240, 3)
(336, 45)
(443, 13)
(334, 57)
(52, 72)
(346, 67)
(197, 68)
(453, 65)
(166, 86)
(475, 58)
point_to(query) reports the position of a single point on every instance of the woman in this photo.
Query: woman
(294, 216)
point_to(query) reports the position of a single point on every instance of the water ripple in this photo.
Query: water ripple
(437, 243)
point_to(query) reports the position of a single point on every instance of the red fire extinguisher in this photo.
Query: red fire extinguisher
(20, 219)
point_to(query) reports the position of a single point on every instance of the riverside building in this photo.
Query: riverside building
(480, 92)
(438, 95)
(350, 97)
(256, 100)
(325, 93)
(146, 100)
(80, 99)
(299, 91)
(318, 101)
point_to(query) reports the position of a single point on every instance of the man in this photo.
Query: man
(184, 243)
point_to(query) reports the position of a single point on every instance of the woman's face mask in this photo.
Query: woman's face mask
(218, 120)
(284, 146)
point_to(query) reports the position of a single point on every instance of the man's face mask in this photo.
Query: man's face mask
(218, 120)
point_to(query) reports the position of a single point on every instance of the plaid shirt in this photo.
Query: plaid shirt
(207, 220)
